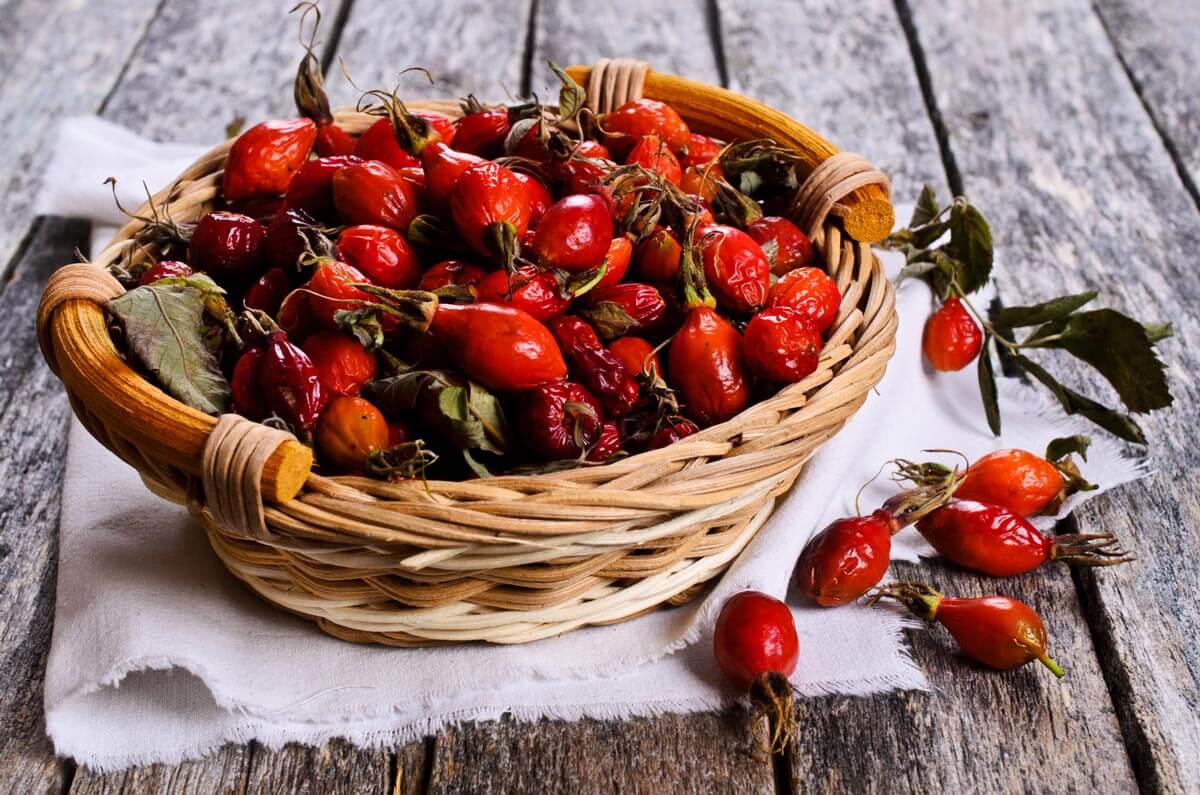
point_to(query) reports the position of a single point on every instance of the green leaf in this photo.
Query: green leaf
(459, 411)
(926, 209)
(1113, 421)
(1054, 309)
(1121, 351)
(1157, 332)
(1065, 446)
(363, 324)
(571, 97)
(609, 319)
(970, 244)
(165, 331)
(987, 386)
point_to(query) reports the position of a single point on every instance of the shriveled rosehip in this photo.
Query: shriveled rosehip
(311, 188)
(658, 257)
(575, 234)
(847, 558)
(374, 193)
(539, 197)
(672, 433)
(706, 367)
(501, 347)
(267, 294)
(483, 132)
(789, 247)
(244, 385)
(616, 261)
(490, 208)
(999, 632)
(811, 292)
(536, 292)
(608, 443)
(343, 365)
(296, 315)
(780, 344)
(996, 541)
(595, 366)
(350, 430)
(622, 309)
(263, 159)
(559, 420)
(634, 120)
(378, 142)
(952, 339)
(637, 354)
(451, 271)
(382, 254)
(290, 383)
(166, 269)
(287, 240)
(701, 150)
(735, 267)
(655, 155)
(228, 247)
(1021, 481)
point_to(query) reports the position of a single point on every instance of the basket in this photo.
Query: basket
(506, 559)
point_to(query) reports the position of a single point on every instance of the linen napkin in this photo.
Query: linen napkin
(159, 655)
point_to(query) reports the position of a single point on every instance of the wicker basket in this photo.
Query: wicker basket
(506, 559)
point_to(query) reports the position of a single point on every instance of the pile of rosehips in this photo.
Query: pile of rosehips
(521, 288)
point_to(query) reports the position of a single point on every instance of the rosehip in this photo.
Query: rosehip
(290, 384)
(701, 150)
(634, 120)
(267, 294)
(349, 431)
(166, 269)
(311, 188)
(652, 153)
(533, 291)
(706, 366)
(378, 142)
(616, 261)
(559, 420)
(501, 347)
(623, 309)
(451, 271)
(791, 247)
(952, 339)
(382, 254)
(735, 267)
(263, 159)
(780, 344)
(482, 132)
(490, 208)
(658, 257)
(228, 247)
(343, 365)
(575, 234)
(374, 193)
(811, 292)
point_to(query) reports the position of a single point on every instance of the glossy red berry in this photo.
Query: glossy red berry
(559, 420)
(846, 559)
(290, 383)
(267, 294)
(706, 367)
(811, 292)
(343, 365)
(574, 234)
(490, 207)
(451, 271)
(638, 118)
(228, 247)
(378, 142)
(652, 153)
(735, 267)
(483, 132)
(755, 635)
(528, 289)
(790, 248)
(658, 257)
(501, 347)
(952, 339)
(382, 254)
(701, 150)
(263, 159)
(374, 193)
(311, 188)
(780, 344)
(1021, 481)
(166, 269)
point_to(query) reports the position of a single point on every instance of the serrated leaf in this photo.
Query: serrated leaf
(165, 332)
(970, 244)
(1157, 332)
(987, 386)
(926, 209)
(1113, 421)
(1035, 314)
(1064, 446)
(1121, 351)
(571, 97)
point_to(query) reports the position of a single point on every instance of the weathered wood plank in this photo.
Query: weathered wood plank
(333, 768)
(690, 753)
(849, 76)
(468, 46)
(223, 771)
(58, 57)
(1157, 44)
(1055, 146)
(200, 66)
(672, 35)
(853, 78)
(33, 412)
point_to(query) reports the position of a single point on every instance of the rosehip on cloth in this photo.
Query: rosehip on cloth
(952, 339)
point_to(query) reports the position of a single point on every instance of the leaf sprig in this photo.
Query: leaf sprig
(1116, 346)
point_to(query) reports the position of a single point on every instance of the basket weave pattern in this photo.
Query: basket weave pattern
(506, 559)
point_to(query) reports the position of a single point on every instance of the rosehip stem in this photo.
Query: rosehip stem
(1090, 549)
(920, 599)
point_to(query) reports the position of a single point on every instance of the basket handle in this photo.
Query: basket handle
(848, 187)
(73, 334)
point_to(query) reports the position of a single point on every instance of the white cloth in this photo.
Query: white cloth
(159, 655)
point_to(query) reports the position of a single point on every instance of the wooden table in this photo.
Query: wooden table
(1075, 125)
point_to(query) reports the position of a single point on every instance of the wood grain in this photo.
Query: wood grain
(967, 702)
(690, 753)
(223, 771)
(467, 46)
(45, 48)
(1060, 154)
(1156, 42)
(336, 767)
